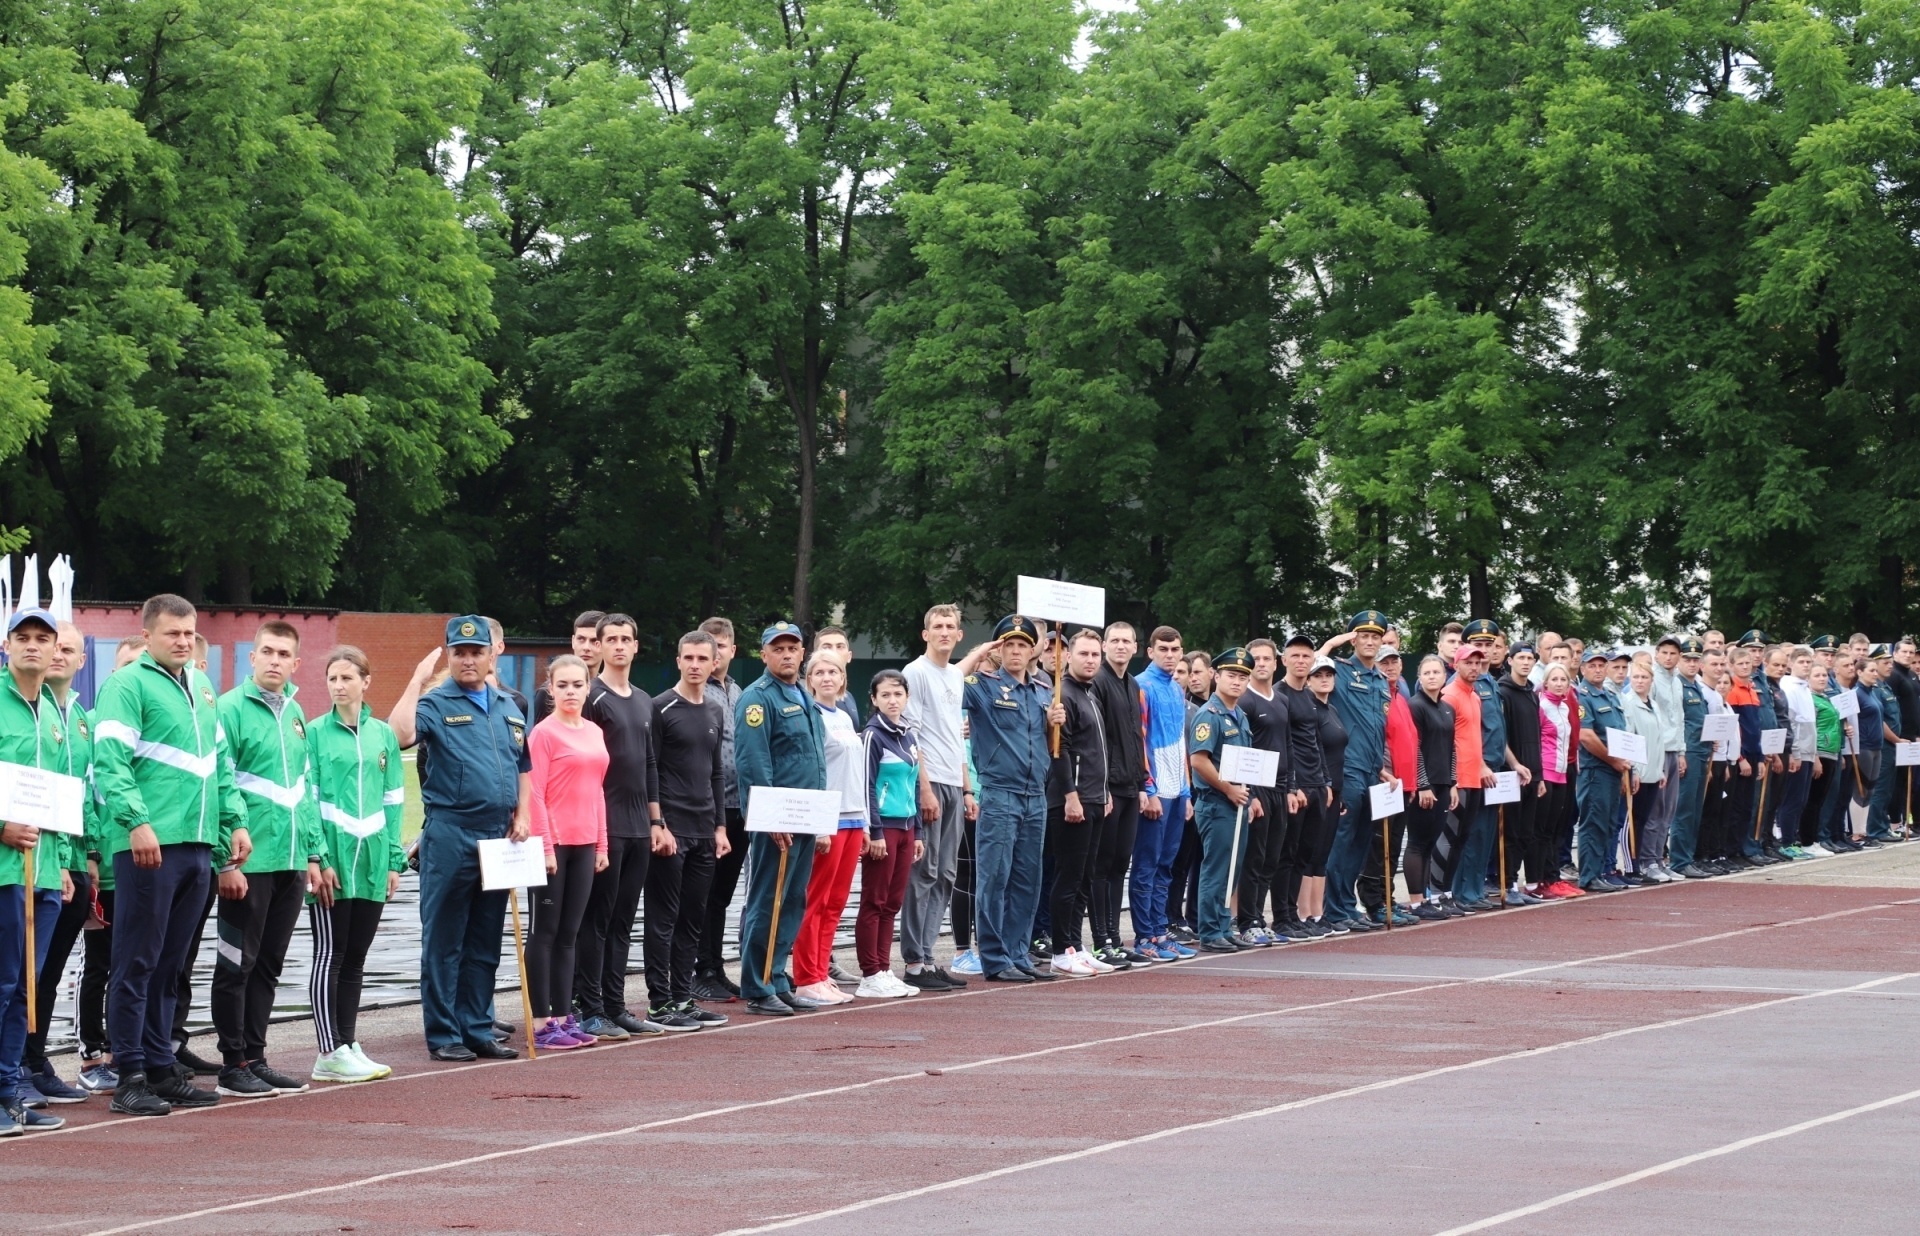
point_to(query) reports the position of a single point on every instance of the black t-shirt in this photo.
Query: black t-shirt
(633, 768)
(1906, 689)
(1267, 725)
(1308, 769)
(693, 791)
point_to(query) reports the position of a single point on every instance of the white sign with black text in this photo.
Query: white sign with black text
(512, 864)
(1249, 766)
(1056, 600)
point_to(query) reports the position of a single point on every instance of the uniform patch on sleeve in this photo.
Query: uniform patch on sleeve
(756, 716)
(1202, 732)
(972, 678)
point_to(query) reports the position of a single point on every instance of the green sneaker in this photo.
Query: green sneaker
(378, 1069)
(341, 1065)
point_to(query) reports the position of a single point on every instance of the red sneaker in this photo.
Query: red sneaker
(1565, 889)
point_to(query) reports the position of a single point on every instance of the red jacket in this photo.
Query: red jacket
(1403, 741)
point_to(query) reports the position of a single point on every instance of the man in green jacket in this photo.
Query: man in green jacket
(30, 735)
(260, 900)
(172, 814)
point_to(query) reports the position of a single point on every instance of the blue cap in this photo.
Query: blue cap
(1823, 643)
(1692, 647)
(469, 629)
(33, 615)
(1368, 620)
(1016, 626)
(1622, 653)
(1879, 652)
(781, 630)
(1482, 628)
(1594, 654)
(1755, 638)
(1234, 658)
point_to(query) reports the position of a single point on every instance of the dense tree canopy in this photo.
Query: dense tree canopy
(1580, 315)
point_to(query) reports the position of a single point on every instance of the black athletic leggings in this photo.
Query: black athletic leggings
(962, 912)
(96, 971)
(1260, 869)
(1109, 870)
(1426, 826)
(557, 911)
(1543, 863)
(342, 935)
(1318, 822)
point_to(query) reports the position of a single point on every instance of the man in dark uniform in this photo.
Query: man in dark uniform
(475, 786)
(1683, 841)
(1217, 803)
(1598, 789)
(1360, 697)
(1267, 721)
(1009, 711)
(779, 740)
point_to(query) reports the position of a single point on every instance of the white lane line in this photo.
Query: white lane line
(1676, 1164)
(1295, 1105)
(976, 1064)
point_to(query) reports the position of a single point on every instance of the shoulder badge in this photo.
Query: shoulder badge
(1202, 732)
(972, 678)
(1586, 715)
(756, 716)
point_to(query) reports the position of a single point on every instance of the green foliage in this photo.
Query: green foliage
(1591, 316)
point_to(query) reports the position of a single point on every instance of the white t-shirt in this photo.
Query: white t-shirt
(846, 765)
(933, 708)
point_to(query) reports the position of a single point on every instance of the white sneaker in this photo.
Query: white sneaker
(340, 1065)
(1819, 851)
(827, 992)
(875, 987)
(1094, 963)
(1070, 964)
(896, 986)
(379, 1070)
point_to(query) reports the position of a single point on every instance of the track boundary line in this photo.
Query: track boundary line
(1389, 1083)
(889, 1079)
(1670, 1165)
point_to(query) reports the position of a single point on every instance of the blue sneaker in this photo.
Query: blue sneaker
(1179, 949)
(99, 1079)
(966, 963)
(28, 1094)
(54, 1087)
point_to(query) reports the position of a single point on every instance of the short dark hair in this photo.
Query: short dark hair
(887, 675)
(696, 637)
(589, 618)
(1164, 635)
(1263, 642)
(823, 632)
(279, 630)
(1121, 626)
(165, 605)
(719, 628)
(615, 620)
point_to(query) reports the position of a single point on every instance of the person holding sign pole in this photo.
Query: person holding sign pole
(569, 809)
(476, 785)
(1220, 807)
(1696, 756)
(779, 740)
(1360, 696)
(1009, 711)
(1886, 737)
(1077, 807)
(1268, 721)
(1480, 836)
(1751, 770)
(1643, 790)
(31, 736)
(1384, 845)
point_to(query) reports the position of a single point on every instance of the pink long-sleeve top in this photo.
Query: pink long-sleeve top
(569, 775)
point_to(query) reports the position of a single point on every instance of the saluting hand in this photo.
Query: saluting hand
(428, 664)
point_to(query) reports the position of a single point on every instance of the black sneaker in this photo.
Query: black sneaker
(635, 1026)
(1185, 935)
(925, 980)
(769, 1006)
(278, 1080)
(1115, 957)
(179, 1090)
(133, 1097)
(706, 1017)
(668, 1017)
(714, 987)
(239, 1082)
(200, 1065)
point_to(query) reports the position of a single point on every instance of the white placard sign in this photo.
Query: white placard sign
(1249, 766)
(1056, 600)
(1720, 727)
(512, 864)
(1773, 742)
(1847, 704)
(1906, 754)
(1385, 799)
(776, 809)
(1505, 789)
(1627, 745)
(42, 798)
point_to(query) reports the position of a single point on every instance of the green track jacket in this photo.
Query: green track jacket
(38, 740)
(361, 792)
(160, 758)
(270, 771)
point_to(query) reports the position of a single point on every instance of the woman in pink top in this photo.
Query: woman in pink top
(569, 756)
(1559, 739)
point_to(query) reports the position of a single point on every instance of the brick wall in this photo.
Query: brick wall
(394, 644)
